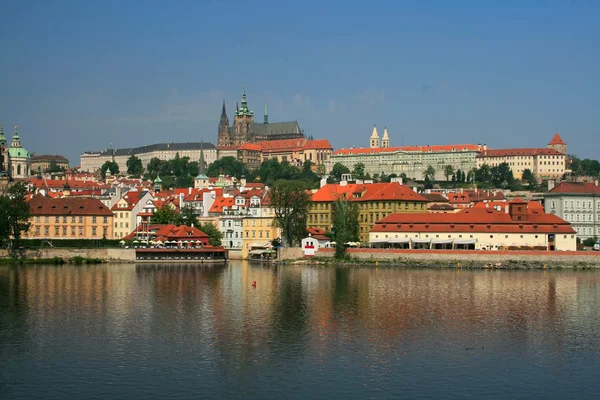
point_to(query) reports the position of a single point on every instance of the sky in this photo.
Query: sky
(85, 75)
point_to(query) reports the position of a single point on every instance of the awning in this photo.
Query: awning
(441, 241)
(266, 244)
(465, 241)
(399, 240)
(421, 240)
(376, 240)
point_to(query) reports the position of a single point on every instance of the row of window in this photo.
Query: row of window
(260, 222)
(65, 218)
(260, 234)
(120, 225)
(459, 236)
(68, 231)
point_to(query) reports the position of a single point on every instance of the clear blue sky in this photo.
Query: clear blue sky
(78, 75)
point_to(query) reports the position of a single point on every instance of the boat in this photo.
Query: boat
(210, 255)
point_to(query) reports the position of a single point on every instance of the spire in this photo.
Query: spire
(374, 138)
(223, 112)
(385, 133)
(374, 135)
(244, 109)
(2, 138)
(16, 141)
(201, 170)
(266, 121)
(385, 140)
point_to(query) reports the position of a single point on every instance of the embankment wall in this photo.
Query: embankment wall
(107, 254)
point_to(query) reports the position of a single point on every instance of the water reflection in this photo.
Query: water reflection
(155, 330)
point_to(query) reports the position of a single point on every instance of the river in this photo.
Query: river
(166, 331)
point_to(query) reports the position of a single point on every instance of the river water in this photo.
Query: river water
(164, 331)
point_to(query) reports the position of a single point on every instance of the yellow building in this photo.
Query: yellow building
(126, 210)
(259, 231)
(374, 201)
(69, 218)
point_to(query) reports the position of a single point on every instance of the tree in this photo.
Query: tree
(338, 170)
(502, 175)
(482, 174)
(187, 216)
(529, 178)
(345, 225)
(166, 215)
(448, 172)
(429, 173)
(134, 166)
(227, 166)
(15, 214)
(214, 234)
(358, 172)
(54, 167)
(290, 201)
(112, 165)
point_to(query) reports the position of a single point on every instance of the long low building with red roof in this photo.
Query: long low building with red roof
(410, 160)
(515, 225)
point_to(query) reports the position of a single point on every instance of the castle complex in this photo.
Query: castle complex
(245, 130)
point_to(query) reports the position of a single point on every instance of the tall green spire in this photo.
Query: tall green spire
(244, 109)
(266, 121)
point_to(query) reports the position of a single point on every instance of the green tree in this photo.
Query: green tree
(448, 172)
(358, 172)
(54, 167)
(227, 166)
(215, 236)
(529, 178)
(502, 176)
(429, 173)
(187, 216)
(290, 201)
(15, 216)
(338, 170)
(345, 225)
(134, 166)
(482, 174)
(166, 215)
(112, 165)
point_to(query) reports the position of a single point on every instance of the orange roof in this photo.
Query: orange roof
(473, 220)
(556, 140)
(318, 144)
(518, 152)
(366, 192)
(576, 188)
(220, 203)
(422, 149)
(171, 232)
(131, 198)
(249, 146)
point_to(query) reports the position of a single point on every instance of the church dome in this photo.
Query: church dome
(16, 150)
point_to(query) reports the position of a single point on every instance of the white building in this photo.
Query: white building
(577, 203)
(380, 158)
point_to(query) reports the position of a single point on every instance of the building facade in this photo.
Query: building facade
(578, 204)
(14, 159)
(245, 130)
(92, 161)
(512, 227)
(381, 158)
(69, 218)
(42, 163)
(126, 212)
(545, 163)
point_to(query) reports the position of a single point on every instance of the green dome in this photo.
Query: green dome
(157, 180)
(18, 152)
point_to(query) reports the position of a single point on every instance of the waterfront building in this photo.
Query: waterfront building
(259, 228)
(69, 218)
(381, 158)
(245, 130)
(41, 163)
(579, 204)
(183, 235)
(515, 225)
(374, 201)
(126, 211)
(92, 161)
(545, 162)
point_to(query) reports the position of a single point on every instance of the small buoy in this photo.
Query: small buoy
(254, 283)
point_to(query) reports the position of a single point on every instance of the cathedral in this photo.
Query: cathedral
(245, 130)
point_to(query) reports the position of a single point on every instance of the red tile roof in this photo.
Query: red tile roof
(557, 140)
(250, 146)
(293, 145)
(318, 144)
(220, 203)
(519, 152)
(576, 188)
(366, 192)
(41, 205)
(131, 198)
(423, 149)
(472, 220)
(171, 232)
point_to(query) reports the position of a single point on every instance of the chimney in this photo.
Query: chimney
(596, 183)
(323, 182)
(484, 147)
(551, 184)
(189, 191)
(506, 209)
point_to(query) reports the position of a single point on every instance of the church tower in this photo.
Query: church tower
(223, 136)
(3, 152)
(558, 144)
(385, 140)
(243, 119)
(374, 138)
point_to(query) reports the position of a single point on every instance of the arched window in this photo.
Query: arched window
(18, 169)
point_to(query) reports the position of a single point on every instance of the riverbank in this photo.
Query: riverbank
(474, 259)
